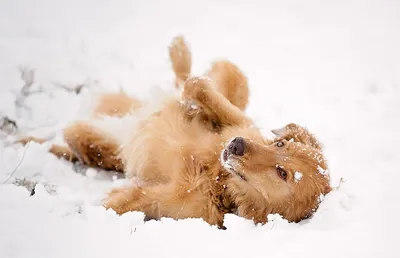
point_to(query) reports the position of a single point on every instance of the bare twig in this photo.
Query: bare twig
(8, 125)
(28, 184)
(341, 182)
(30, 88)
(28, 77)
(20, 162)
(77, 89)
(31, 184)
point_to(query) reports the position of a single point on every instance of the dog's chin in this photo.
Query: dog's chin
(228, 163)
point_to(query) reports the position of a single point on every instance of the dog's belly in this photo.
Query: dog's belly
(168, 146)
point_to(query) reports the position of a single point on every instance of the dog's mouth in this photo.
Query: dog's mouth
(224, 156)
(229, 163)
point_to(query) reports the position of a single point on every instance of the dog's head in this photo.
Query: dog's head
(288, 175)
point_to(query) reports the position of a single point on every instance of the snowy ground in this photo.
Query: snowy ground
(334, 67)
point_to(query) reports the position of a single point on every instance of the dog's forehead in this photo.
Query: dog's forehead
(299, 156)
(300, 149)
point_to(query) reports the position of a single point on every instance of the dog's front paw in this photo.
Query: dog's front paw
(197, 89)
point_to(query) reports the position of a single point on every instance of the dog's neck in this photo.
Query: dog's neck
(223, 201)
(232, 200)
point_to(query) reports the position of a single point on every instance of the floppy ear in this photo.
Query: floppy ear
(298, 134)
(280, 131)
(288, 129)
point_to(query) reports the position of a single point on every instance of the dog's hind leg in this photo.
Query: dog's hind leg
(93, 147)
(181, 59)
(86, 144)
(230, 82)
(213, 102)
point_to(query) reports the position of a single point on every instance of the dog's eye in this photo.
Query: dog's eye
(282, 173)
(280, 144)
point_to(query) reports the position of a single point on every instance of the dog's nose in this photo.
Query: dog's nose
(236, 146)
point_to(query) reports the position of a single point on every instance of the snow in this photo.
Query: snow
(331, 66)
(91, 172)
(323, 171)
(297, 176)
(321, 198)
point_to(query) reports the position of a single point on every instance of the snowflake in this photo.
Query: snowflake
(297, 176)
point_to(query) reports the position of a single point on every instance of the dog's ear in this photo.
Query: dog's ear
(290, 128)
(294, 132)
(279, 132)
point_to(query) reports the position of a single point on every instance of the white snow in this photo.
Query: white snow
(322, 171)
(297, 176)
(332, 66)
(91, 172)
(321, 198)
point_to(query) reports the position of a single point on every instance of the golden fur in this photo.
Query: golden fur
(115, 104)
(208, 161)
(181, 58)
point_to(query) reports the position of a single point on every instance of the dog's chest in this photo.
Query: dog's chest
(168, 146)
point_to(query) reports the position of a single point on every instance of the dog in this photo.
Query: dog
(200, 155)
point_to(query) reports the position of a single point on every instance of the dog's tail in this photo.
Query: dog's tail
(181, 59)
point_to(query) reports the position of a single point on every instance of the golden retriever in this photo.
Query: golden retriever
(203, 160)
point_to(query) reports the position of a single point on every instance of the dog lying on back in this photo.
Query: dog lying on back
(203, 160)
